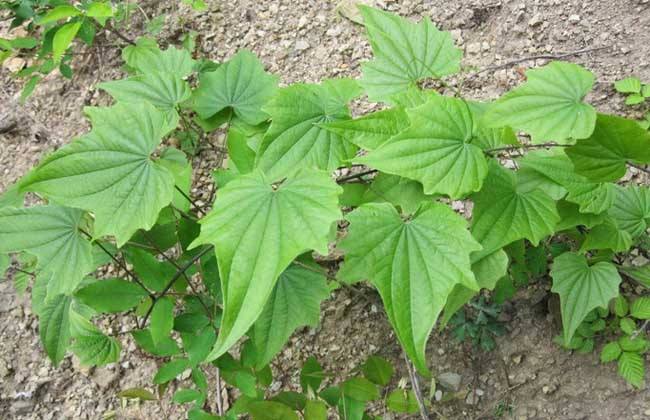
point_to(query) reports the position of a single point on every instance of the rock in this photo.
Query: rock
(449, 380)
(536, 20)
(104, 377)
(302, 45)
(14, 64)
(474, 48)
(5, 368)
(574, 19)
(438, 395)
(473, 397)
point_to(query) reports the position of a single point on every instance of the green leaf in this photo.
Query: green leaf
(165, 91)
(147, 58)
(51, 233)
(185, 395)
(549, 106)
(436, 150)
(640, 274)
(607, 236)
(315, 410)
(153, 273)
(198, 346)
(241, 156)
(637, 344)
(640, 308)
(628, 85)
(270, 410)
(110, 171)
(5, 262)
(90, 345)
(556, 167)
(490, 138)
(167, 347)
(620, 306)
(631, 368)
(390, 252)
(405, 53)
(59, 12)
(570, 216)
(294, 302)
(631, 210)
(111, 295)
(253, 225)
(241, 84)
(372, 130)
(402, 192)
(54, 327)
(311, 375)
(378, 370)
(627, 325)
(63, 38)
(603, 156)
(100, 11)
(170, 370)
(162, 319)
(360, 389)
(634, 99)
(610, 352)
(504, 212)
(295, 140)
(12, 197)
(582, 288)
(29, 87)
(402, 401)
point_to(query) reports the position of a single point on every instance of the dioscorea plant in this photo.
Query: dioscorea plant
(199, 281)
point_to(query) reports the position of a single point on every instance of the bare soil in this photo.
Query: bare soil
(526, 377)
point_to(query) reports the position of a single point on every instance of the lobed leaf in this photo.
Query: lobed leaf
(54, 327)
(254, 226)
(631, 210)
(414, 263)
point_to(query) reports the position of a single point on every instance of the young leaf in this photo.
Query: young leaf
(570, 216)
(503, 213)
(198, 346)
(631, 210)
(110, 171)
(54, 327)
(627, 325)
(162, 320)
(377, 370)
(170, 370)
(607, 236)
(147, 58)
(435, 150)
(372, 130)
(270, 410)
(294, 302)
(637, 344)
(402, 192)
(582, 288)
(390, 252)
(549, 106)
(631, 368)
(137, 393)
(63, 11)
(295, 140)
(628, 85)
(254, 224)
(360, 389)
(153, 273)
(603, 156)
(405, 53)
(610, 352)
(620, 306)
(165, 348)
(51, 233)
(111, 295)
(63, 38)
(402, 401)
(90, 345)
(185, 395)
(241, 84)
(165, 91)
(640, 308)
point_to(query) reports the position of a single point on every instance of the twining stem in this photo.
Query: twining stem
(178, 267)
(181, 271)
(119, 263)
(525, 147)
(355, 176)
(192, 202)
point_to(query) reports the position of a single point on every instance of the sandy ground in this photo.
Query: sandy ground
(309, 41)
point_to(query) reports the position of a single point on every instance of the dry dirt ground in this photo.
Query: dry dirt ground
(307, 41)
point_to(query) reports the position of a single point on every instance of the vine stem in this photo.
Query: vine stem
(415, 384)
(525, 147)
(171, 282)
(110, 28)
(198, 208)
(178, 267)
(640, 330)
(355, 176)
(641, 168)
(119, 263)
